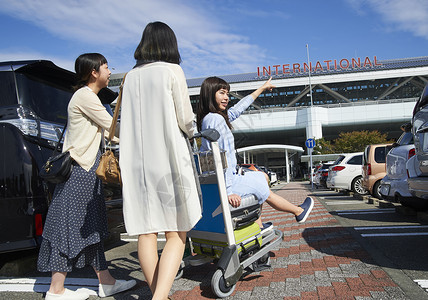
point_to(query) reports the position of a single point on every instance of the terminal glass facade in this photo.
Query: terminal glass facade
(334, 93)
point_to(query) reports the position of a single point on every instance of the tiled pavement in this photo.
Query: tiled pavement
(316, 260)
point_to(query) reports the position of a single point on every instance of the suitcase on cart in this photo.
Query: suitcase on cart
(247, 213)
(247, 238)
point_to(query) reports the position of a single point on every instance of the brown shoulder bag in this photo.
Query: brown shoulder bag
(108, 170)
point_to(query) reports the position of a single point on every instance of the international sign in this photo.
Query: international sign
(310, 143)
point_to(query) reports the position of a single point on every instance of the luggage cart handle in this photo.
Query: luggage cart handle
(210, 134)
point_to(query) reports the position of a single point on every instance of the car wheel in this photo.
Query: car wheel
(357, 186)
(376, 190)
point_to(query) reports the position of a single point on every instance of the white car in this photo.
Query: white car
(394, 186)
(346, 173)
(273, 178)
(322, 174)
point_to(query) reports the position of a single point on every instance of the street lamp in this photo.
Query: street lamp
(310, 93)
(309, 68)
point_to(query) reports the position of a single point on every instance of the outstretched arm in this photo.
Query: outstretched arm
(266, 86)
(235, 111)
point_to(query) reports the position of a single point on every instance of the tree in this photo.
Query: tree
(356, 141)
(349, 142)
(323, 146)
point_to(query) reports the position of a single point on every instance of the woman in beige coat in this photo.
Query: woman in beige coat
(159, 187)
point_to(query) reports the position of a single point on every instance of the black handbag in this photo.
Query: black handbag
(59, 165)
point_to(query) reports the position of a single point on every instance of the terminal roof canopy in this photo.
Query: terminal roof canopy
(269, 148)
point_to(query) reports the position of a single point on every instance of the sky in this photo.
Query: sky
(215, 37)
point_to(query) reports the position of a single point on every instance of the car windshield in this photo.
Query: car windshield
(405, 139)
(325, 166)
(339, 160)
(48, 102)
(423, 100)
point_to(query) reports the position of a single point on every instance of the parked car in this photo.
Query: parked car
(417, 166)
(394, 186)
(322, 174)
(346, 173)
(273, 178)
(33, 110)
(250, 167)
(374, 168)
(315, 178)
(253, 167)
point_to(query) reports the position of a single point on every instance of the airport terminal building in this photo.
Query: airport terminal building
(319, 99)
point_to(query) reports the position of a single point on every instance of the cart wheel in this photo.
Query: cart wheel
(179, 274)
(264, 260)
(218, 285)
(180, 270)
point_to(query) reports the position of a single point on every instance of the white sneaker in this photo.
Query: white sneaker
(105, 290)
(67, 295)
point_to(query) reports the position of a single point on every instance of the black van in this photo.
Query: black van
(33, 111)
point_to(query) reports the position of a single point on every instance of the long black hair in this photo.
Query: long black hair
(207, 102)
(158, 43)
(84, 65)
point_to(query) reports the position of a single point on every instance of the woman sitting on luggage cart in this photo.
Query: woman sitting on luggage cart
(213, 113)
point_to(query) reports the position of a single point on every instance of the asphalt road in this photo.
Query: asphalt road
(394, 236)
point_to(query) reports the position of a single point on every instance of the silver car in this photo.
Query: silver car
(394, 186)
(417, 166)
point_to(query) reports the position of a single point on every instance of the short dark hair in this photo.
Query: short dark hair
(158, 43)
(84, 65)
(207, 102)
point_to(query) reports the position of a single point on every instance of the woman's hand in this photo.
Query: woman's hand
(234, 200)
(267, 85)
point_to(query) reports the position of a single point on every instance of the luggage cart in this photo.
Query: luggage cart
(225, 235)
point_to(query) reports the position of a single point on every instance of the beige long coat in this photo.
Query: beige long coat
(159, 188)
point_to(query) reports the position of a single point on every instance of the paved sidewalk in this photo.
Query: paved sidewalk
(316, 260)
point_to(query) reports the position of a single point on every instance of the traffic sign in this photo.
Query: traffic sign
(310, 143)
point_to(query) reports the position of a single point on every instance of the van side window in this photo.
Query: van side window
(380, 155)
(356, 160)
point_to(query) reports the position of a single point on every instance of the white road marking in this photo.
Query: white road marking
(134, 238)
(394, 234)
(411, 227)
(392, 227)
(423, 283)
(343, 202)
(41, 285)
(365, 211)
